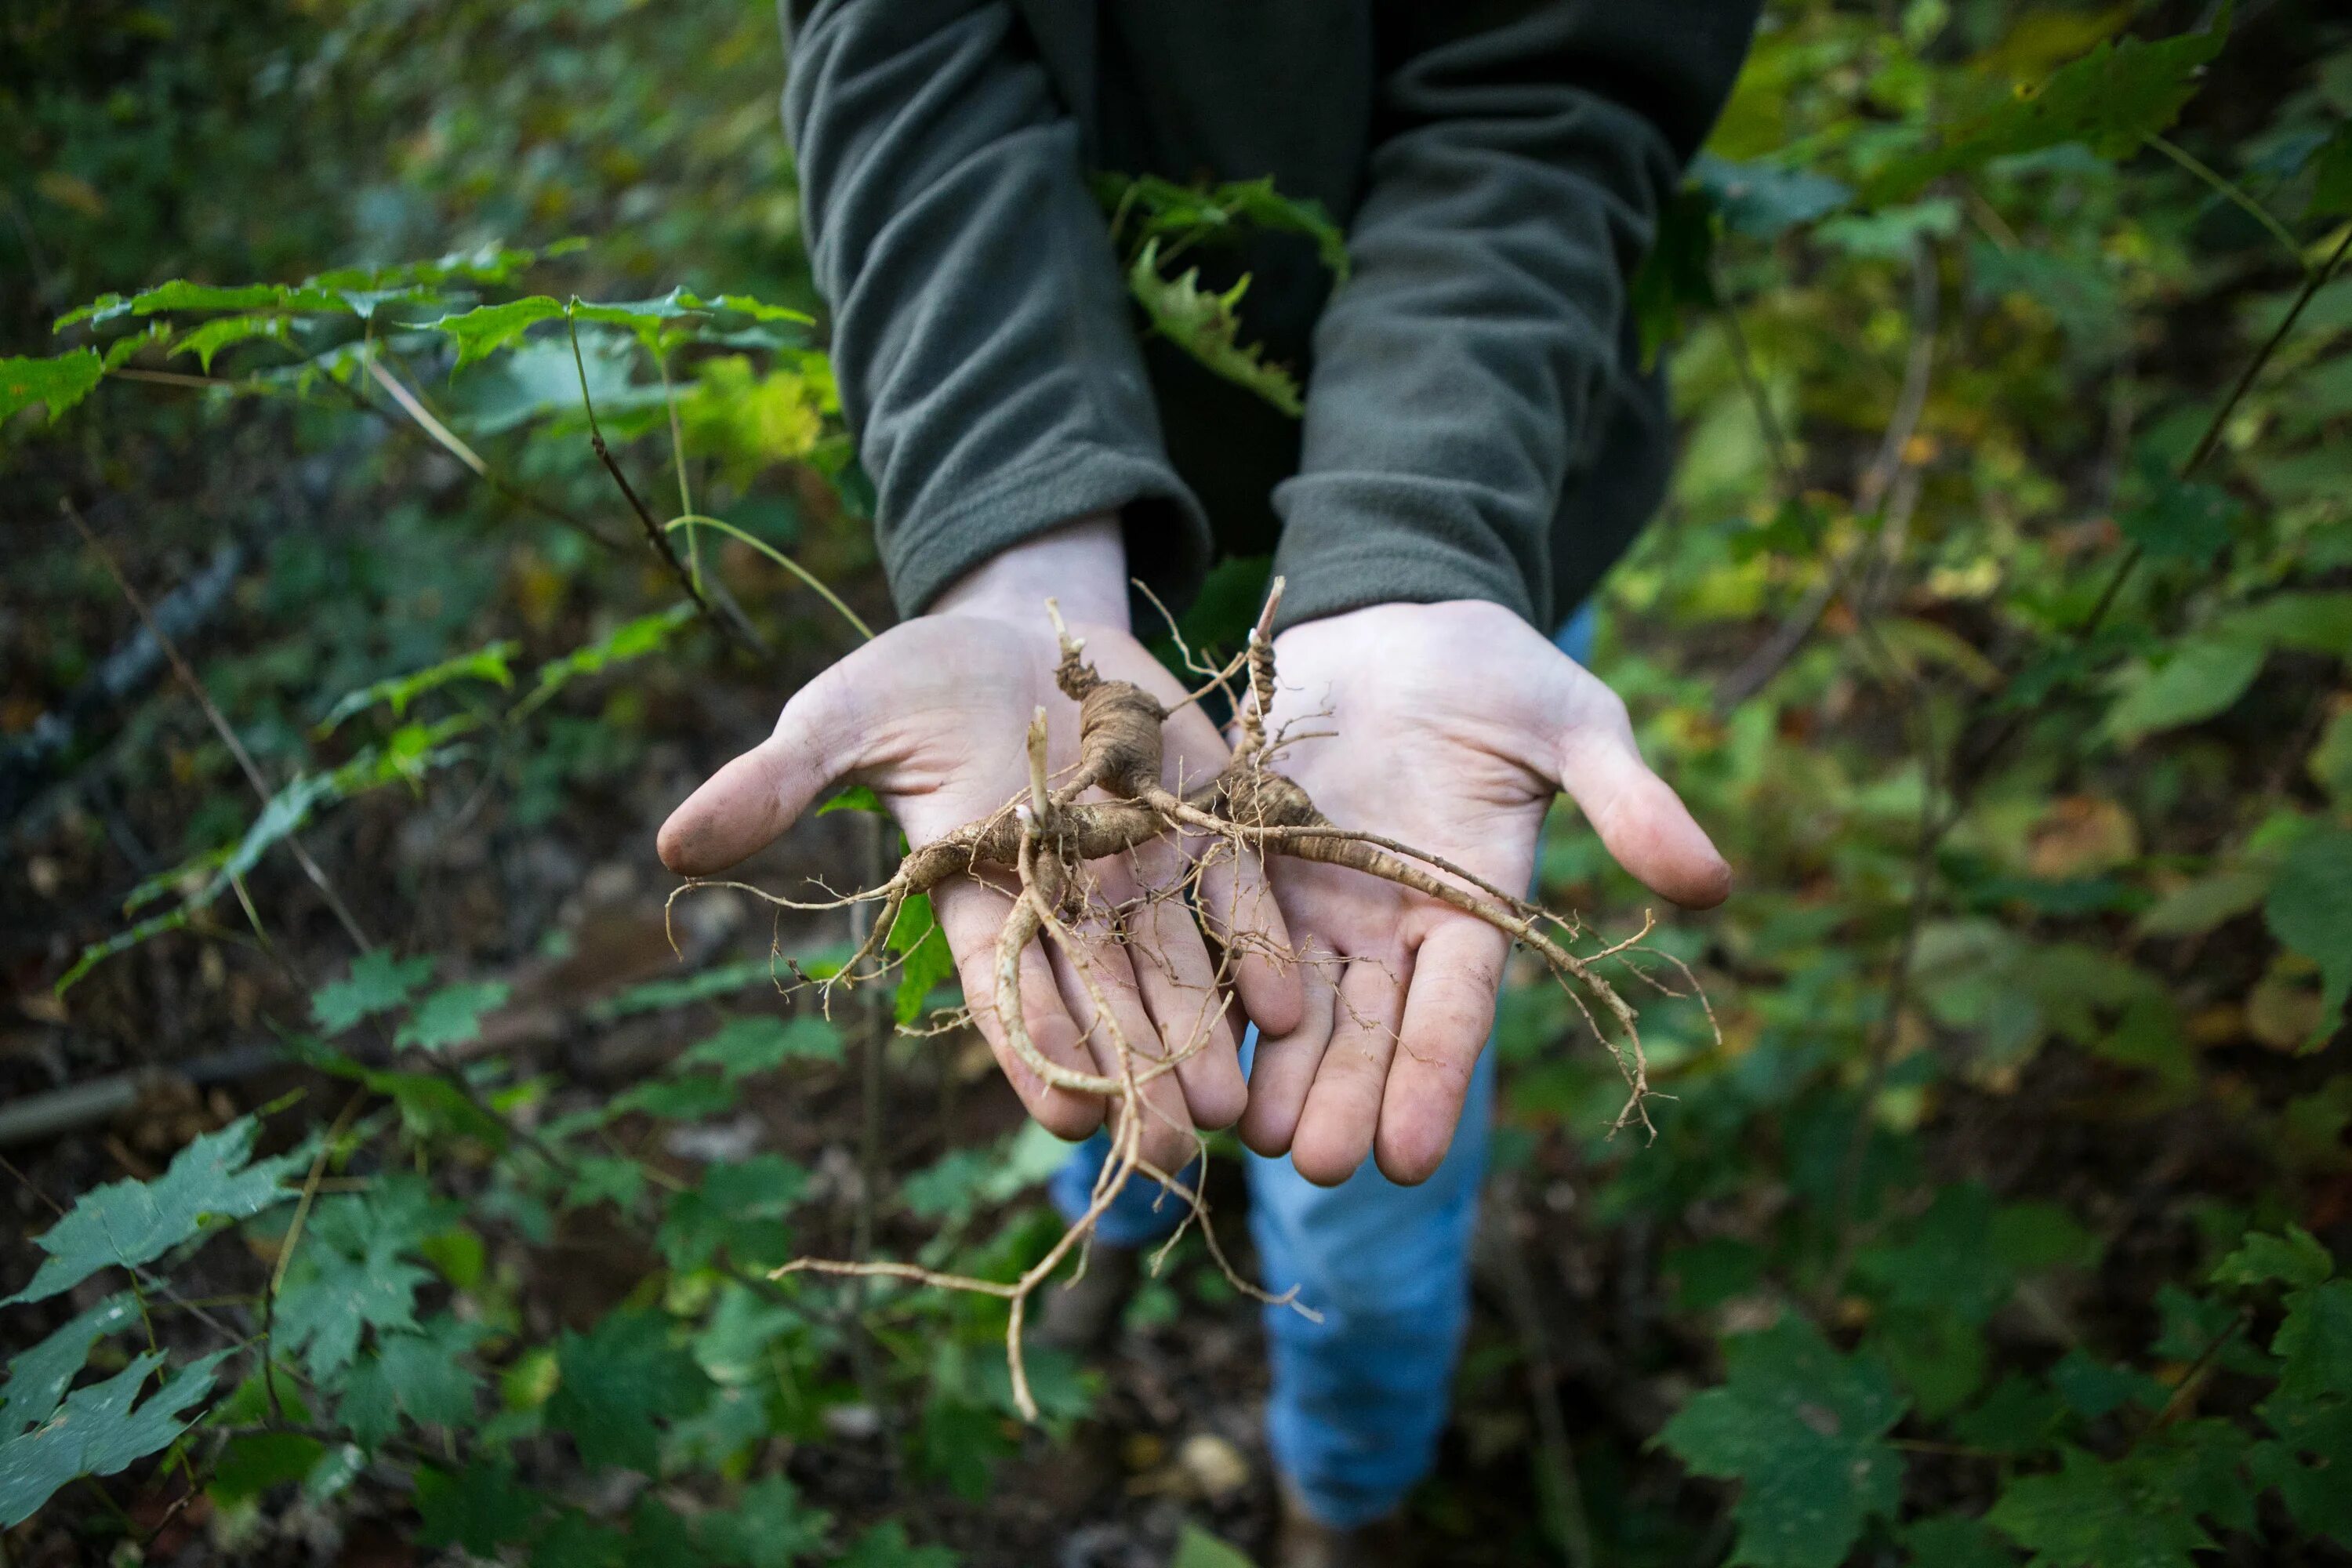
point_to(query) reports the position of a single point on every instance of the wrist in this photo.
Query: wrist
(1082, 565)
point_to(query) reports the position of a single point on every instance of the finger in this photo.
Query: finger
(971, 914)
(1189, 1010)
(1639, 818)
(746, 804)
(1238, 907)
(1343, 1108)
(1282, 1071)
(1109, 1007)
(1235, 903)
(1448, 1011)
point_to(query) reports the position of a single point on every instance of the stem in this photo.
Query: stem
(697, 519)
(2228, 190)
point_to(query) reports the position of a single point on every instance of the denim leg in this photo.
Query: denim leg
(1143, 1212)
(1360, 1398)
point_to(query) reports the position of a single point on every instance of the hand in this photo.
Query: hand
(933, 716)
(1447, 727)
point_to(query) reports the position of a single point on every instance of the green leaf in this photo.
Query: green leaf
(2181, 521)
(2205, 676)
(2297, 1258)
(2315, 1343)
(424, 1376)
(2112, 101)
(886, 1546)
(2331, 175)
(1678, 275)
(255, 1461)
(605, 1178)
(738, 1209)
(856, 797)
(1196, 1548)
(618, 1381)
(1206, 327)
(57, 384)
(733, 1347)
(451, 1016)
(762, 1043)
(1803, 1429)
(98, 1431)
(2091, 1388)
(378, 983)
(1953, 1542)
(208, 339)
(2141, 1511)
(630, 640)
(182, 295)
(485, 329)
(351, 1273)
(924, 963)
(491, 663)
(479, 1508)
(692, 1098)
(769, 1527)
(2309, 911)
(1764, 201)
(126, 1224)
(38, 1378)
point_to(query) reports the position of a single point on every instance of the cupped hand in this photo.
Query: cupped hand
(1447, 727)
(933, 716)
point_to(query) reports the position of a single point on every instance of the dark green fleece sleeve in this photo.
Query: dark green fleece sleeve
(1521, 155)
(981, 333)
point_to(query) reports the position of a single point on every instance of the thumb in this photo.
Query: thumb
(1642, 822)
(746, 804)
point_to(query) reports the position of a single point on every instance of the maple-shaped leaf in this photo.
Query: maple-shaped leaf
(2296, 1256)
(2112, 101)
(424, 1376)
(737, 1208)
(886, 1546)
(2142, 1510)
(377, 983)
(1802, 1428)
(38, 1378)
(351, 1274)
(99, 1430)
(769, 1527)
(618, 1381)
(126, 1224)
(451, 1016)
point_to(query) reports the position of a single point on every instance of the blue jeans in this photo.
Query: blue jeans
(1359, 1399)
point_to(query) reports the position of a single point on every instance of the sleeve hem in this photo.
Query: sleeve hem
(1401, 569)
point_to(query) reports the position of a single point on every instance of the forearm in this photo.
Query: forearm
(1081, 565)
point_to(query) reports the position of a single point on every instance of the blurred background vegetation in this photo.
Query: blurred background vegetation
(1998, 628)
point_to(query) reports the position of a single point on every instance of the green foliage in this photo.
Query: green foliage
(56, 383)
(38, 1378)
(1803, 1429)
(618, 1382)
(129, 1224)
(99, 1430)
(1196, 1548)
(1205, 325)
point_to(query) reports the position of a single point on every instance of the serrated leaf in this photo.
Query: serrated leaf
(350, 1272)
(2315, 1343)
(1204, 325)
(99, 1430)
(485, 329)
(423, 1376)
(620, 1380)
(2141, 1511)
(763, 1043)
(2112, 101)
(57, 383)
(491, 663)
(182, 295)
(2296, 1256)
(208, 339)
(126, 1224)
(736, 1209)
(378, 983)
(2091, 1388)
(479, 1508)
(769, 1527)
(1803, 1429)
(38, 1378)
(886, 1546)
(451, 1016)
(2310, 911)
